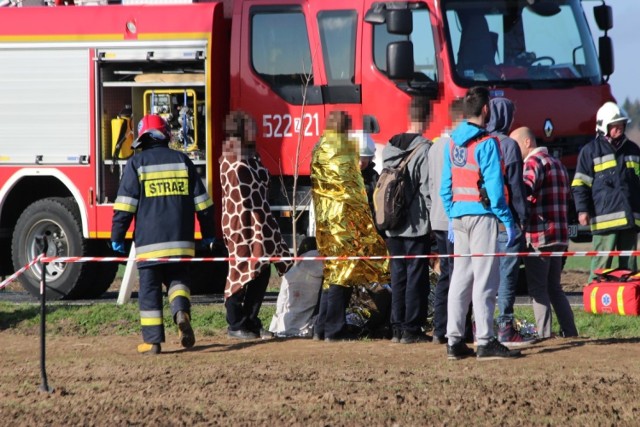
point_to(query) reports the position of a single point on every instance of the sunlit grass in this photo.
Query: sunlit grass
(209, 319)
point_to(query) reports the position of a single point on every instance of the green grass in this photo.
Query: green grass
(107, 319)
(209, 320)
(590, 325)
(581, 263)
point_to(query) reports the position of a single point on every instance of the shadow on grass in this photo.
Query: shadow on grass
(14, 318)
(607, 341)
(582, 341)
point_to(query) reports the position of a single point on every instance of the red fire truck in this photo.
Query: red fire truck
(73, 79)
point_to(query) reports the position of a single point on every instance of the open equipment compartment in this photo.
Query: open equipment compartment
(169, 80)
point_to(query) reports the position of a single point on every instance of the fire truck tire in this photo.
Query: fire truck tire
(104, 274)
(58, 219)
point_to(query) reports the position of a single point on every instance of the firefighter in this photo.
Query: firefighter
(161, 188)
(606, 188)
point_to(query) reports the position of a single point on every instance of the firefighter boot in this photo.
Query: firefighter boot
(147, 349)
(185, 331)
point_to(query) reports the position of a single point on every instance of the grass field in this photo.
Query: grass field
(580, 263)
(209, 320)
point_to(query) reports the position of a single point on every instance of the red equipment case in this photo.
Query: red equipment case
(613, 291)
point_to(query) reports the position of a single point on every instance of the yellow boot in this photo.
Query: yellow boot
(146, 348)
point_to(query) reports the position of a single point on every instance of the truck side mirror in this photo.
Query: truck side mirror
(543, 7)
(604, 17)
(375, 15)
(605, 55)
(400, 60)
(399, 21)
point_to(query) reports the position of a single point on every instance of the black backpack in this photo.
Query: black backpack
(389, 200)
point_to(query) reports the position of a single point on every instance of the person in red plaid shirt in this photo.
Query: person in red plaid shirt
(547, 187)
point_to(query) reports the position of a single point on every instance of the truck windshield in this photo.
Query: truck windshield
(511, 43)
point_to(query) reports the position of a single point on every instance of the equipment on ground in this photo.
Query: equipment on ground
(613, 291)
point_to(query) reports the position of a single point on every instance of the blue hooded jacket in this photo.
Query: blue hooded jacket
(487, 155)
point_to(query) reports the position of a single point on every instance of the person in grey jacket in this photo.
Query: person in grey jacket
(440, 227)
(501, 112)
(410, 277)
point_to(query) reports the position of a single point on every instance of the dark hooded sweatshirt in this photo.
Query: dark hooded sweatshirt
(502, 110)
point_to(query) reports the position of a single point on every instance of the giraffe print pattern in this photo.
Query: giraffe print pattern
(248, 227)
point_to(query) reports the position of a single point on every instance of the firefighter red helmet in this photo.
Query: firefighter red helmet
(155, 127)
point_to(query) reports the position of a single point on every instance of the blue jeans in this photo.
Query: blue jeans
(509, 269)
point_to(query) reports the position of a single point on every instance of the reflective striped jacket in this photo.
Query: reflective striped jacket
(607, 185)
(161, 188)
(487, 156)
(466, 179)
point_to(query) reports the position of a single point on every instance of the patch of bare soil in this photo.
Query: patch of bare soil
(102, 381)
(574, 280)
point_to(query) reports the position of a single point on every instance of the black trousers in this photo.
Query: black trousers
(409, 283)
(442, 288)
(332, 319)
(243, 307)
(176, 277)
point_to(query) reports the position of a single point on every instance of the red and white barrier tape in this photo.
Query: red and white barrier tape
(19, 272)
(346, 258)
(316, 258)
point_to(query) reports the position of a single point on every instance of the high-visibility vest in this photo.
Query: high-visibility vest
(466, 179)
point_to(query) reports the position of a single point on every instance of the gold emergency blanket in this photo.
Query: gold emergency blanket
(344, 225)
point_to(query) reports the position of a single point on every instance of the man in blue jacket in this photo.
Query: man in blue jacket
(475, 200)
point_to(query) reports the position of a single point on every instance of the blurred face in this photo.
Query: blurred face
(524, 150)
(486, 114)
(616, 130)
(250, 130)
(364, 162)
(338, 121)
(231, 148)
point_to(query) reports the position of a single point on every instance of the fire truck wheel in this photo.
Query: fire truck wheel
(59, 220)
(104, 274)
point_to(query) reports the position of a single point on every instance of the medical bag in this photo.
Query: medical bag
(613, 291)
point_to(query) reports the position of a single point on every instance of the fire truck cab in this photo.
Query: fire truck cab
(74, 81)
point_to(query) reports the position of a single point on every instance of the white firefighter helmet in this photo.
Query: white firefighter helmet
(608, 114)
(365, 143)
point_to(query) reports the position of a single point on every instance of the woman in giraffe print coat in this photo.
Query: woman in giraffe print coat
(248, 227)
